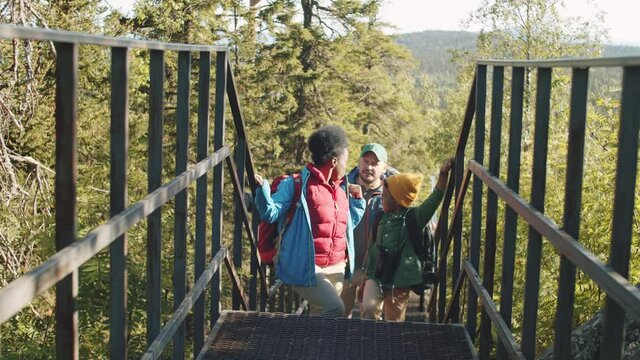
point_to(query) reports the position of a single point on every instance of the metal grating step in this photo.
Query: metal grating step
(252, 335)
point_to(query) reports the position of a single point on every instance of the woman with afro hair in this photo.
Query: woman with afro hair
(316, 251)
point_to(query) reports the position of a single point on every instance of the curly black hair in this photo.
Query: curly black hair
(326, 143)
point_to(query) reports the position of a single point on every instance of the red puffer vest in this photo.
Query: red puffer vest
(328, 212)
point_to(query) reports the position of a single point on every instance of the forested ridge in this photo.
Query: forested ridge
(298, 64)
(436, 50)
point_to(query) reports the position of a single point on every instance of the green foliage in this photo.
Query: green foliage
(534, 30)
(297, 65)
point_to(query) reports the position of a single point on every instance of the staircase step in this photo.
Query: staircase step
(253, 335)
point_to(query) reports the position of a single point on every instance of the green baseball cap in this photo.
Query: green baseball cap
(377, 149)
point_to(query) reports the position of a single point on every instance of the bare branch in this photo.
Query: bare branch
(12, 116)
(323, 23)
(9, 171)
(29, 159)
(42, 20)
(98, 190)
(325, 9)
(5, 7)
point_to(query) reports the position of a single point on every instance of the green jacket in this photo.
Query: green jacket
(392, 234)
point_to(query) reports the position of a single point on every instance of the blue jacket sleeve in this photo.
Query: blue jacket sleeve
(272, 208)
(356, 210)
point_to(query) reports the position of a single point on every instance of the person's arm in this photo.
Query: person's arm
(425, 211)
(271, 207)
(356, 209)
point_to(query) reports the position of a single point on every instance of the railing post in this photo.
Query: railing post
(218, 176)
(296, 300)
(486, 339)
(458, 178)
(253, 281)
(538, 186)
(476, 207)
(66, 313)
(239, 155)
(572, 206)
(457, 227)
(442, 296)
(181, 200)
(244, 162)
(626, 172)
(436, 304)
(289, 300)
(118, 199)
(511, 218)
(264, 291)
(455, 274)
(154, 222)
(281, 296)
(272, 280)
(204, 80)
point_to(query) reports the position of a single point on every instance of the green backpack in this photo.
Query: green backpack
(424, 245)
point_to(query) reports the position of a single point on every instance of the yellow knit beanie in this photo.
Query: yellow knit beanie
(404, 188)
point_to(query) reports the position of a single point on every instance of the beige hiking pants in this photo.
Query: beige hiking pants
(393, 301)
(324, 297)
(350, 290)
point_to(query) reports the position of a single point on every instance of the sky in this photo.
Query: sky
(418, 15)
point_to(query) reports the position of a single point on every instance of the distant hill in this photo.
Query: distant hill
(621, 50)
(432, 49)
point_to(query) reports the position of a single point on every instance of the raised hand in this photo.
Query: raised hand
(355, 191)
(259, 180)
(444, 173)
(446, 166)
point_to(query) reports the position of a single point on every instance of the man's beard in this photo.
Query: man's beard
(369, 180)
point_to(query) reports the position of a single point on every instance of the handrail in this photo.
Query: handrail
(236, 110)
(155, 350)
(455, 180)
(566, 62)
(276, 285)
(490, 308)
(29, 33)
(622, 298)
(446, 245)
(61, 269)
(235, 281)
(20, 292)
(468, 118)
(614, 284)
(456, 294)
(162, 340)
(245, 217)
(439, 233)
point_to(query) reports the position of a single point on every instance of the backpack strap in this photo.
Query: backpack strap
(374, 229)
(297, 192)
(414, 233)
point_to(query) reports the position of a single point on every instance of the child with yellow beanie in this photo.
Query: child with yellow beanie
(392, 266)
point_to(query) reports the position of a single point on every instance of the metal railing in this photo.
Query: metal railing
(623, 299)
(61, 269)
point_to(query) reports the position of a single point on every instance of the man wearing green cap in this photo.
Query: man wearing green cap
(372, 167)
